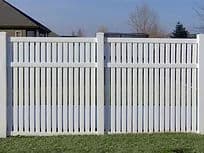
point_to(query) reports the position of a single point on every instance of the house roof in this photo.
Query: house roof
(12, 17)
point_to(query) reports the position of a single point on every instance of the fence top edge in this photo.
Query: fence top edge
(54, 39)
(151, 40)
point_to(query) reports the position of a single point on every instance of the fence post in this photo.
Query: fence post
(3, 81)
(100, 82)
(200, 38)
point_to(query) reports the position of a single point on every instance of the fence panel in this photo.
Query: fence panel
(162, 96)
(54, 84)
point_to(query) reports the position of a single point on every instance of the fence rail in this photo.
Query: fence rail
(54, 86)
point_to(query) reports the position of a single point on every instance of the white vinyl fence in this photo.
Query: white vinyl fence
(53, 86)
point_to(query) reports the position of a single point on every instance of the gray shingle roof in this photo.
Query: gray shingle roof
(10, 16)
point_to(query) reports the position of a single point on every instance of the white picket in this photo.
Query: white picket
(54, 89)
(48, 89)
(15, 88)
(135, 91)
(167, 89)
(161, 90)
(21, 98)
(65, 115)
(188, 90)
(87, 88)
(43, 89)
(81, 91)
(59, 87)
(37, 88)
(93, 88)
(71, 85)
(118, 90)
(129, 89)
(173, 126)
(32, 88)
(113, 119)
(76, 89)
(156, 90)
(151, 89)
(178, 88)
(183, 90)
(124, 88)
(145, 90)
(26, 88)
(140, 89)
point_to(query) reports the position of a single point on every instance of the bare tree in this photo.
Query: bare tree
(102, 28)
(200, 12)
(145, 20)
(73, 33)
(80, 33)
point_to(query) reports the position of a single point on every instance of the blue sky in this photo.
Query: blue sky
(64, 16)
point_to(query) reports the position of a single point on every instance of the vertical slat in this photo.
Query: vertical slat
(113, 88)
(178, 83)
(32, 88)
(15, 88)
(82, 103)
(124, 96)
(54, 89)
(167, 89)
(183, 90)
(156, 91)
(59, 88)
(71, 89)
(48, 90)
(129, 89)
(161, 114)
(26, 87)
(87, 90)
(135, 91)
(145, 89)
(43, 85)
(37, 88)
(21, 93)
(188, 56)
(140, 88)
(151, 89)
(65, 92)
(76, 89)
(118, 86)
(172, 89)
(194, 88)
(93, 88)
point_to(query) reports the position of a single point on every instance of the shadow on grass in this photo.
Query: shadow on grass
(182, 150)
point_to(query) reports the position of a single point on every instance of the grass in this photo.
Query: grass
(138, 143)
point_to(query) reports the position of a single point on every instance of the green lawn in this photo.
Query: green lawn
(144, 143)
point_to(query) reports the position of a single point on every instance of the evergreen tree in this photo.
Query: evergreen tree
(180, 31)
